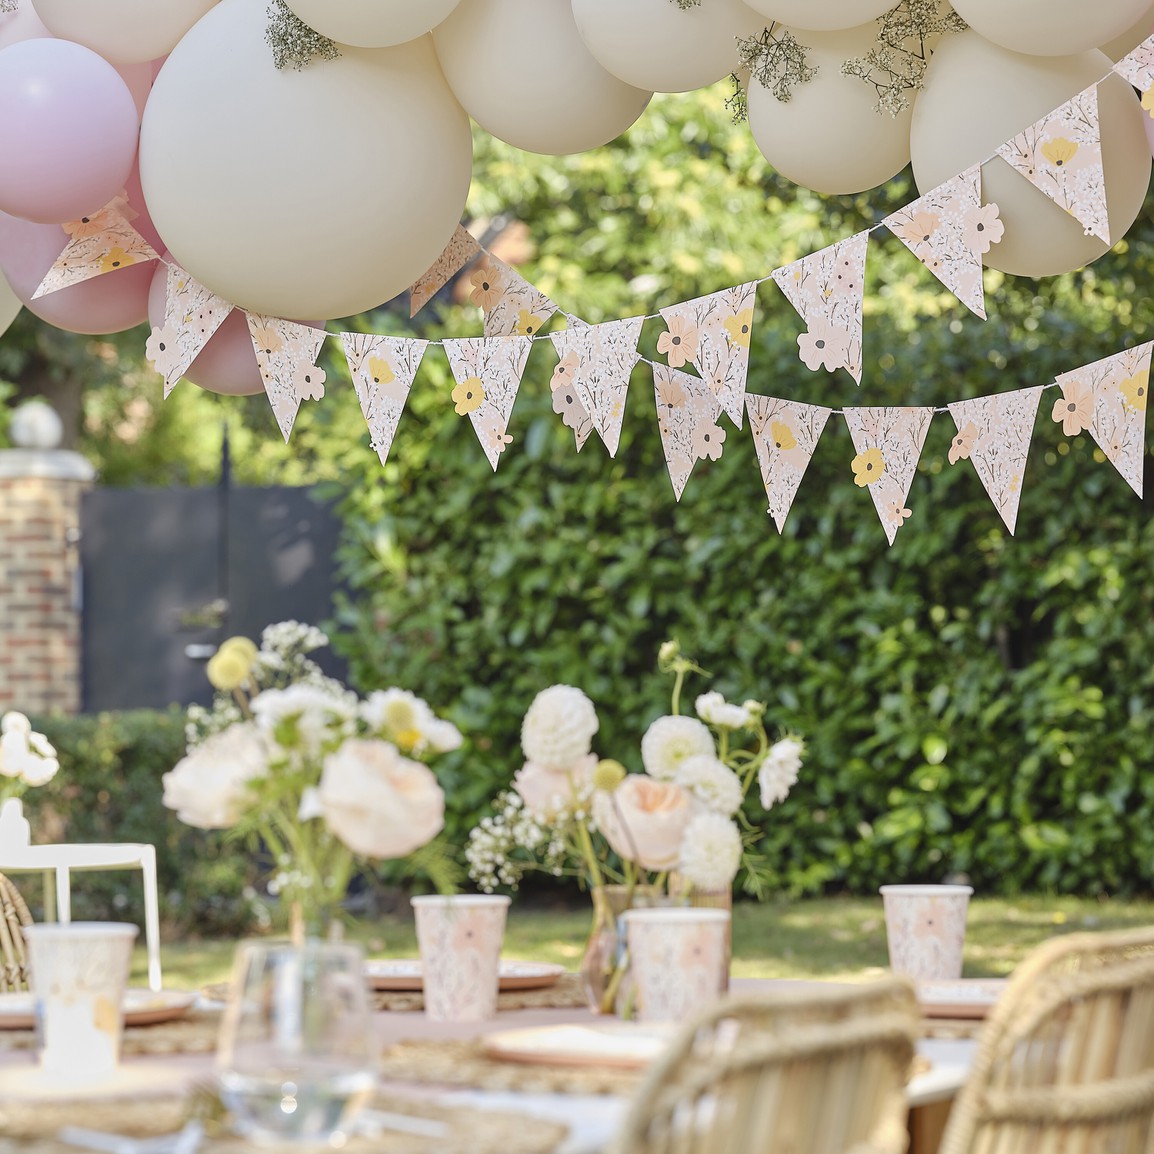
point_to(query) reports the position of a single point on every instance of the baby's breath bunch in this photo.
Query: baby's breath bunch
(292, 41)
(776, 59)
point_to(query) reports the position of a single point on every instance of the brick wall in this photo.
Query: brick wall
(39, 559)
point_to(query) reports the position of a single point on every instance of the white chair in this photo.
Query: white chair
(56, 863)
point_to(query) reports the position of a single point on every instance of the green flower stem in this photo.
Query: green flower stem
(589, 854)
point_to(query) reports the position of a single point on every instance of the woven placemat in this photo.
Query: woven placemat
(30, 1129)
(194, 1033)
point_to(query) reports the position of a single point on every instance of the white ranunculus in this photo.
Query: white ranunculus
(315, 714)
(397, 713)
(380, 804)
(714, 709)
(711, 783)
(644, 819)
(441, 736)
(547, 793)
(209, 787)
(710, 852)
(779, 771)
(558, 727)
(669, 741)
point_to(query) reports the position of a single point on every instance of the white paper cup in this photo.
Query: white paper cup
(460, 938)
(677, 959)
(78, 972)
(926, 929)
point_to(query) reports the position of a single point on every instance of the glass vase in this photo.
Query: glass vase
(604, 964)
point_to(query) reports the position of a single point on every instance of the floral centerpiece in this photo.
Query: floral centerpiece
(324, 780)
(27, 759)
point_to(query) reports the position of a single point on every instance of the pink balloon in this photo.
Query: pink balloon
(142, 222)
(68, 133)
(108, 303)
(138, 80)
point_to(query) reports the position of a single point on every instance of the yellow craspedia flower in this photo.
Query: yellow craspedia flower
(782, 435)
(608, 775)
(228, 669)
(868, 467)
(1134, 390)
(740, 327)
(468, 395)
(243, 645)
(1059, 151)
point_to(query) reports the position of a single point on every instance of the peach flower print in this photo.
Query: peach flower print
(963, 443)
(919, 229)
(92, 225)
(868, 467)
(309, 383)
(566, 404)
(160, 349)
(563, 373)
(679, 342)
(488, 286)
(823, 345)
(468, 395)
(1075, 408)
(1135, 388)
(707, 441)
(670, 392)
(897, 513)
(982, 227)
(267, 339)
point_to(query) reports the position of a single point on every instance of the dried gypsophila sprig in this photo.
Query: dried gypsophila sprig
(776, 60)
(292, 41)
(738, 103)
(897, 66)
(9, 5)
(684, 4)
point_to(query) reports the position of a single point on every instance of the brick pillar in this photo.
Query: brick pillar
(39, 579)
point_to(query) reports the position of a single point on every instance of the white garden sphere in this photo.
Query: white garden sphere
(524, 75)
(315, 193)
(123, 31)
(829, 135)
(821, 15)
(958, 123)
(1050, 27)
(656, 45)
(372, 23)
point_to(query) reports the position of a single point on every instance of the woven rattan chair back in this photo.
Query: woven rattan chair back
(1066, 1060)
(806, 1072)
(14, 916)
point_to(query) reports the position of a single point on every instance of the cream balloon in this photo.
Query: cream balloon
(1126, 42)
(318, 193)
(123, 31)
(372, 23)
(10, 305)
(524, 75)
(977, 96)
(821, 15)
(1049, 27)
(656, 45)
(829, 135)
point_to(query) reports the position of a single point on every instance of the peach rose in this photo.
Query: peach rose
(644, 820)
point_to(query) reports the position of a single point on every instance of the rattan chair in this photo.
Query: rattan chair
(1066, 1060)
(14, 916)
(812, 1072)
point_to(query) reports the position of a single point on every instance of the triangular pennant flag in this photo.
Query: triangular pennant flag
(948, 230)
(713, 333)
(98, 244)
(488, 373)
(594, 368)
(687, 417)
(1108, 397)
(826, 288)
(994, 435)
(286, 354)
(382, 369)
(785, 434)
(458, 252)
(888, 442)
(512, 306)
(192, 314)
(1137, 66)
(1061, 155)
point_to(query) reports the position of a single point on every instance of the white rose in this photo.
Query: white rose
(669, 741)
(209, 787)
(558, 727)
(550, 792)
(644, 819)
(380, 804)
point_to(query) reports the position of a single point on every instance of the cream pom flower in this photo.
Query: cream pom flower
(25, 754)
(643, 820)
(548, 793)
(710, 852)
(715, 710)
(558, 727)
(209, 787)
(779, 771)
(669, 741)
(711, 783)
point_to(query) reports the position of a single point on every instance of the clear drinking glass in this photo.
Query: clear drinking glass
(296, 1053)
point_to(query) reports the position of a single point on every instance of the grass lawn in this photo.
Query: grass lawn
(824, 937)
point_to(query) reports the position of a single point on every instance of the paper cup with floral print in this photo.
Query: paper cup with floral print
(926, 929)
(460, 937)
(78, 972)
(677, 959)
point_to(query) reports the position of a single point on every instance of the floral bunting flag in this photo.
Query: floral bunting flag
(100, 243)
(488, 373)
(826, 288)
(512, 306)
(687, 418)
(286, 354)
(948, 230)
(458, 252)
(1061, 155)
(785, 434)
(1108, 397)
(192, 314)
(713, 333)
(591, 379)
(1137, 66)
(382, 369)
(888, 443)
(994, 436)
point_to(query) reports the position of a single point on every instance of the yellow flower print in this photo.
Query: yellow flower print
(468, 395)
(1148, 101)
(116, 258)
(1059, 151)
(679, 342)
(740, 328)
(868, 467)
(1135, 388)
(527, 323)
(782, 435)
(380, 370)
(488, 286)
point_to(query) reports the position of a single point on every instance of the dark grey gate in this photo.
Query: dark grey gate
(169, 573)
